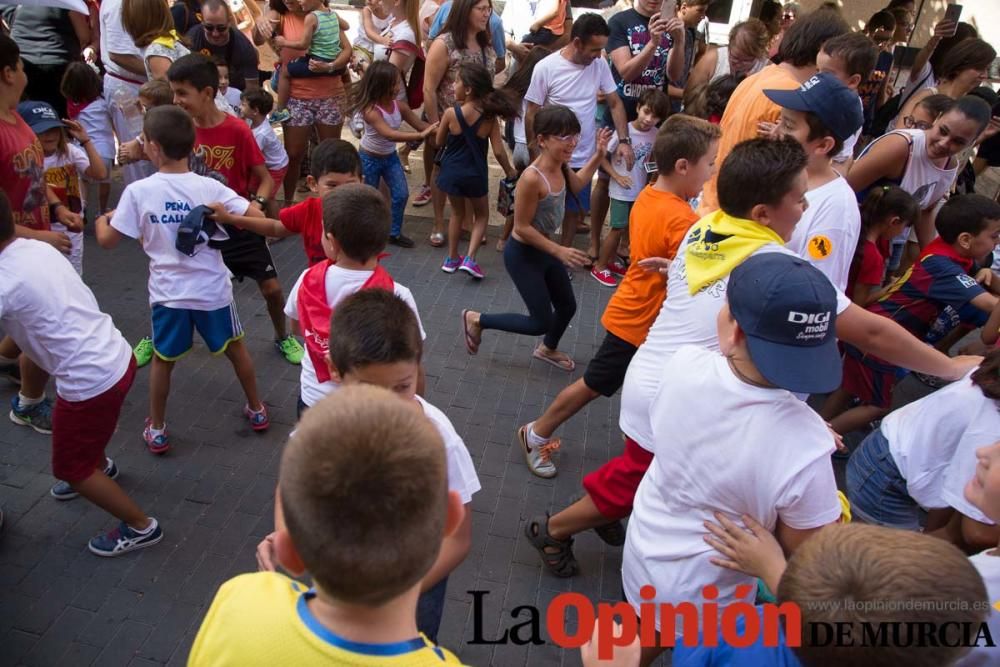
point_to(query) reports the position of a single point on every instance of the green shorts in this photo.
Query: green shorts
(620, 211)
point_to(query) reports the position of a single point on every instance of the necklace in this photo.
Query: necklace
(743, 377)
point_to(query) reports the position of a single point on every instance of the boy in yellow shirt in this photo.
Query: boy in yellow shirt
(363, 506)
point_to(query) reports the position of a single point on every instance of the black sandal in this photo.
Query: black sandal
(560, 562)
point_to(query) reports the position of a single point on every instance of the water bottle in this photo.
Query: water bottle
(128, 104)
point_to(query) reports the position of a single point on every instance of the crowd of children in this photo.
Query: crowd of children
(750, 343)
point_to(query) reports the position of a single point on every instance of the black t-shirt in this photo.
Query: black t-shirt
(44, 35)
(630, 28)
(184, 17)
(238, 53)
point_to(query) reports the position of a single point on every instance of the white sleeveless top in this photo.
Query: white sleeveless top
(923, 179)
(373, 142)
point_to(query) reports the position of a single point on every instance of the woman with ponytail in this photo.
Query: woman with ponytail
(464, 174)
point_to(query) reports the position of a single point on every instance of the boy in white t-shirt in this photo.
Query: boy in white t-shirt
(626, 184)
(254, 105)
(355, 228)
(185, 292)
(821, 115)
(756, 448)
(375, 338)
(54, 318)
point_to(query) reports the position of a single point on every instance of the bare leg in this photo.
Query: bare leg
(479, 212)
(437, 201)
(600, 201)
(569, 401)
(284, 88)
(103, 194)
(8, 348)
(270, 289)
(33, 378)
(296, 145)
(609, 247)
(243, 365)
(458, 213)
(106, 494)
(835, 404)
(578, 517)
(159, 389)
(508, 227)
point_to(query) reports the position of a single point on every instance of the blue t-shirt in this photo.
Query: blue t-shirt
(496, 28)
(724, 655)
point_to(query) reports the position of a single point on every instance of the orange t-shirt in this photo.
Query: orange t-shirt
(656, 227)
(747, 107)
(306, 88)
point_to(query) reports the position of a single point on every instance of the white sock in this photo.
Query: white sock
(535, 440)
(25, 402)
(148, 529)
(157, 431)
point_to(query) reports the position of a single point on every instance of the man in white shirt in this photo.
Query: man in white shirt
(573, 77)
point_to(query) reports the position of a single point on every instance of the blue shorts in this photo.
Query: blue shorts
(581, 202)
(173, 329)
(877, 490)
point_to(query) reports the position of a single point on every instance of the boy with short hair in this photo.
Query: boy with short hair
(363, 506)
(851, 58)
(625, 186)
(375, 339)
(685, 154)
(254, 105)
(821, 116)
(225, 147)
(185, 293)
(968, 229)
(333, 162)
(885, 571)
(93, 367)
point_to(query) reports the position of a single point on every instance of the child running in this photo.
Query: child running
(464, 174)
(65, 165)
(625, 186)
(85, 103)
(93, 368)
(362, 505)
(375, 339)
(535, 262)
(254, 105)
(185, 293)
(885, 213)
(377, 100)
(322, 41)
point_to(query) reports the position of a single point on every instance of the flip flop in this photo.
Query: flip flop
(471, 344)
(566, 364)
(436, 239)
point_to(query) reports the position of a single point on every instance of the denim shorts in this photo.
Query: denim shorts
(876, 488)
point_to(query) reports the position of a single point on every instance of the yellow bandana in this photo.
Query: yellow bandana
(718, 243)
(169, 41)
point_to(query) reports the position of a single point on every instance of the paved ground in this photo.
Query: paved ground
(213, 492)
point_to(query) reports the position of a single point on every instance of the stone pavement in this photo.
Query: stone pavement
(213, 493)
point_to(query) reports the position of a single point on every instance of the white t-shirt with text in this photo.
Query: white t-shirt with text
(827, 235)
(642, 146)
(340, 284)
(54, 318)
(556, 80)
(151, 211)
(723, 445)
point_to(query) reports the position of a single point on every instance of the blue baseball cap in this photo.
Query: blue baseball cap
(788, 310)
(836, 105)
(40, 116)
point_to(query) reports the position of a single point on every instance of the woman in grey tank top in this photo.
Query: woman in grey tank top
(535, 262)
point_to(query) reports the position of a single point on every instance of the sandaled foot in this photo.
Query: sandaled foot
(560, 360)
(557, 555)
(472, 331)
(436, 239)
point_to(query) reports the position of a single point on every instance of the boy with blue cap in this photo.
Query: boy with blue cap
(821, 115)
(757, 450)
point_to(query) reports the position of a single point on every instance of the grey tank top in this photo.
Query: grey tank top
(549, 214)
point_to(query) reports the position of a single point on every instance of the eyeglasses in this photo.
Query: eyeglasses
(488, 9)
(570, 138)
(911, 123)
(211, 27)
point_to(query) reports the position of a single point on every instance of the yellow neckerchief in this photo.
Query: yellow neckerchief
(718, 243)
(845, 507)
(169, 41)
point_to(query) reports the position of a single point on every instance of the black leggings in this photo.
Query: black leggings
(546, 289)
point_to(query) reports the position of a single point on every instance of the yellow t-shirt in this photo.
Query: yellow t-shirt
(263, 619)
(747, 107)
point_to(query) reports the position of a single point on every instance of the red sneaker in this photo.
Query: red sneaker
(604, 277)
(617, 267)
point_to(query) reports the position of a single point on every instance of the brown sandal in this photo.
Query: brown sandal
(560, 562)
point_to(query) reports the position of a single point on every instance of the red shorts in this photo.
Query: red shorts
(612, 487)
(277, 175)
(867, 379)
(81, 430)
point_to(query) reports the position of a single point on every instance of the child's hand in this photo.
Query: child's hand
(430, 129)
(279, 42)
(838, 440)
(603, 137)
(219, 213)
(57, 240)
(72, 221)
(266, 558)
(130, 151)
(572, 256)
(984, 277)
(752, 550)
(76, 130)
(765, 129)
(624, 181)
(659, 265)
(623, 656)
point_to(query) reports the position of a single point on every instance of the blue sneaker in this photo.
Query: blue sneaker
(63, 491)
(124, 539)
(470, 266)
(451, 264)
(37, 416)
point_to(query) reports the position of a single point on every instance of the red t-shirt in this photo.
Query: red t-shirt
(869, 269)
(306, 219)
(22, 174)
(230, 150)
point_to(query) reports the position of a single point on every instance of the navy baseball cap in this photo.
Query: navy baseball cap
(40, 116)
(788, 310)
(836, 105)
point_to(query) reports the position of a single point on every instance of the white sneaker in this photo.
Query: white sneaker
(539, 458)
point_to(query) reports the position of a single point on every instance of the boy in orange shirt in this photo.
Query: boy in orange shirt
(685, 155)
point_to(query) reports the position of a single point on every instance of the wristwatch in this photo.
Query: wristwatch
(260, 200)
(626, 140)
